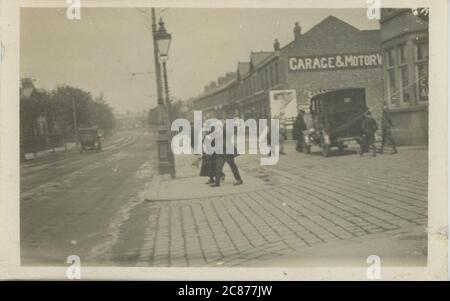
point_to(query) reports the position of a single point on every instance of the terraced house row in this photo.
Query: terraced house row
(335, 55)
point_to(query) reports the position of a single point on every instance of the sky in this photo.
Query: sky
(99, 52)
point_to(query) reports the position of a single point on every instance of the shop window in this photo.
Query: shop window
(422, 81)
(403, 74)
(391, 82)
(422, 51)
(401, 54)
(390, 61)
(405, 97)
(422, 70)
(392, 88)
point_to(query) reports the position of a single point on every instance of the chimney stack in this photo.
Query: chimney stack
(276, 45)
(297, 31)
(221, 80)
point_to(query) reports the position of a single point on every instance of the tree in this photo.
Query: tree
(38, 104)
(104, 115)
(56, 111)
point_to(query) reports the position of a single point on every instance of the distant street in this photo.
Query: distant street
(72, 203)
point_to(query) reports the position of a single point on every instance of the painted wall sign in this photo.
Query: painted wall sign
(334, 62)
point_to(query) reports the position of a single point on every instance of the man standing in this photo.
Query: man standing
(282, 133)
(228, 158)
(386, 125)
(299, 127)
(369, 127)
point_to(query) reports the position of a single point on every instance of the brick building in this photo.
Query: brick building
(331, 55)
(404, 38)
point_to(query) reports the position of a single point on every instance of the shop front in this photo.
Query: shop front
(404, 38)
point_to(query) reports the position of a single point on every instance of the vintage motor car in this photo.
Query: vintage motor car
(89, 139)
(336, 117)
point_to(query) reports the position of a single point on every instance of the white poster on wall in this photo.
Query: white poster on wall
(283, 103)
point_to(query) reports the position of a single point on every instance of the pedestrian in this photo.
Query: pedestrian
(369, 127)
(227, 158)
(282, 133)
(386, 125)
(299, 127)
(209, 160)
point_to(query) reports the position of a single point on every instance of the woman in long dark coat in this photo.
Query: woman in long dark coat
(209, 163)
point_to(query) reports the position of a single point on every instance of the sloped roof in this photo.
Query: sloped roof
(243, 68)
(332, 31)
(332, 22)
(229, 81)
(258, 57)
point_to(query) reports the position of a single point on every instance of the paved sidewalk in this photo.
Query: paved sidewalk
(69, 146)
(303, 202)
(189, 185)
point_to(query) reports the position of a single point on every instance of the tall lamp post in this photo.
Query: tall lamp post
(166, 158)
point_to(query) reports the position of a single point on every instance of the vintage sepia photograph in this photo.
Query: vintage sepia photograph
(225, 137)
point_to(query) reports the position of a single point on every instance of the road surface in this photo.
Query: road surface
(76, 204)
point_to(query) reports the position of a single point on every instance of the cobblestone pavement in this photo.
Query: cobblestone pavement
(309, 200)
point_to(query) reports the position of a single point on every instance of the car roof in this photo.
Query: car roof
(335, 90)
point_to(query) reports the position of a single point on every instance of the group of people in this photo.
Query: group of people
(369, 127)
(212, 163)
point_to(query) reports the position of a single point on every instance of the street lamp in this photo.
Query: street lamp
(163, 39)
(166, 160)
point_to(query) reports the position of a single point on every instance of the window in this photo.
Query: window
(392, 87)
(422, 51)
(390, 58)
(404, 85)
(422, 81)
(401, 54)
(390, 78)
(403, 73)
(422, 70)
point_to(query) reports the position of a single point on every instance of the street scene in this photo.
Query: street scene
(101, 177)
